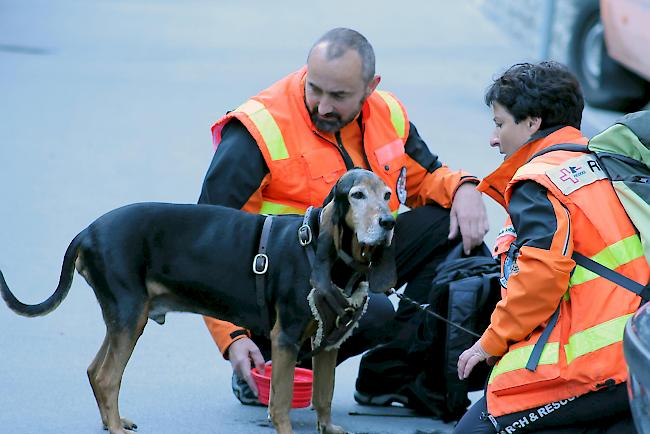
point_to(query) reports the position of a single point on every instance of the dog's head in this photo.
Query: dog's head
(357, 220)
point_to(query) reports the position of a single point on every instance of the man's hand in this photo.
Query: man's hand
(470, 358)
(468, 216)
(240, 354)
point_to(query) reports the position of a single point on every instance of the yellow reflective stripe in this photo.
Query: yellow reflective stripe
(397, 116)
(595, 338)
(612, 257)
(267, 127)
(278, 208)
(517, 359)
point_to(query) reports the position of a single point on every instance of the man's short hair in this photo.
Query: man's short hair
(547, 90)
(340, 40)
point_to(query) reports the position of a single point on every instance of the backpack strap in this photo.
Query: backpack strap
(536, 354)
(639, 125)
(572, 147)
(613, 276)
(601, 270)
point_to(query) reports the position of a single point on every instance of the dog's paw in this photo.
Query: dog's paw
(330, 428)
(127, 424)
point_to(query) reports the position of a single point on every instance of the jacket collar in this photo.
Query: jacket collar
(494, 185)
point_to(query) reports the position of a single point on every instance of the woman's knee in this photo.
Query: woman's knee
(475, 421)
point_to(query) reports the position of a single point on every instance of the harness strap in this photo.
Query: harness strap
(350, 262)
(260, 267)
(306, 236)
(354, 279)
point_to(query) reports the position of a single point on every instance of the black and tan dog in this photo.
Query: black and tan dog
(145, 260)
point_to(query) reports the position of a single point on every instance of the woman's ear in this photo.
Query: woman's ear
(534, 124)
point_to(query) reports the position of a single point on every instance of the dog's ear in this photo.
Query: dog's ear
(338, 196)
(382, 274)
(325, 249)
(335, 206)
(321, 273)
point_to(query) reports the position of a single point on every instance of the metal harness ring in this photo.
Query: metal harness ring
(264, 263)
(347, 311)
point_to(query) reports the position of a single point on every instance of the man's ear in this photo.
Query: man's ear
(373, 84)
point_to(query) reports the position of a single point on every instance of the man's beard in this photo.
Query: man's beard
(333, 122)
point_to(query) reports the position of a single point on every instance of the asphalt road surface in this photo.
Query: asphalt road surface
(105, 103)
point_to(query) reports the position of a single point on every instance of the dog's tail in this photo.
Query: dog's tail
(67, 272)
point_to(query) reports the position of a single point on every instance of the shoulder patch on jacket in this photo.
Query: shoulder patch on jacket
(576, 173)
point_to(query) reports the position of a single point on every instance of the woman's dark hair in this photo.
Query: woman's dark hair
(547, 90)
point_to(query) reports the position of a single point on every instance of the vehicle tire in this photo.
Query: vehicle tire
(605, 82)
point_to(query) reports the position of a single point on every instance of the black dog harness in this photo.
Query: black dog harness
(336, 316)
(334, 312)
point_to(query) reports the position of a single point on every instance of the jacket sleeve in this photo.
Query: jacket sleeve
(539, 275)
(428, 180)
(237, 173)
(224, 333)
(234, 179)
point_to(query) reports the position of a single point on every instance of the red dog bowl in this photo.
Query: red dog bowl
(302, 381)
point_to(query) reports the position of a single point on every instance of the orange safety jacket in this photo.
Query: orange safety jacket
(304, 164)
(584, 350)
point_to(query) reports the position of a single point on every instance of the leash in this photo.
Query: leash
(425, 307)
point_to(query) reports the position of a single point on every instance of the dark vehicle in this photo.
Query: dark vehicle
(609, 52)
(636, 344)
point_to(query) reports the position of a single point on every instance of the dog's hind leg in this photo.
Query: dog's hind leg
(92, 370)
(284, 363)
(107, 372)
(324, 364)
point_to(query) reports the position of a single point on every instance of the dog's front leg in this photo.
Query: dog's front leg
(284, 363)
(324, 364)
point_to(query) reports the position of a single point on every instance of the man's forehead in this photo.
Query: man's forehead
(339, 74)
(328, 84)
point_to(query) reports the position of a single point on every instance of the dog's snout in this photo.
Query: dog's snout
(387, 222)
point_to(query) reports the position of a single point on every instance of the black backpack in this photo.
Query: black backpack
(465, 291)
